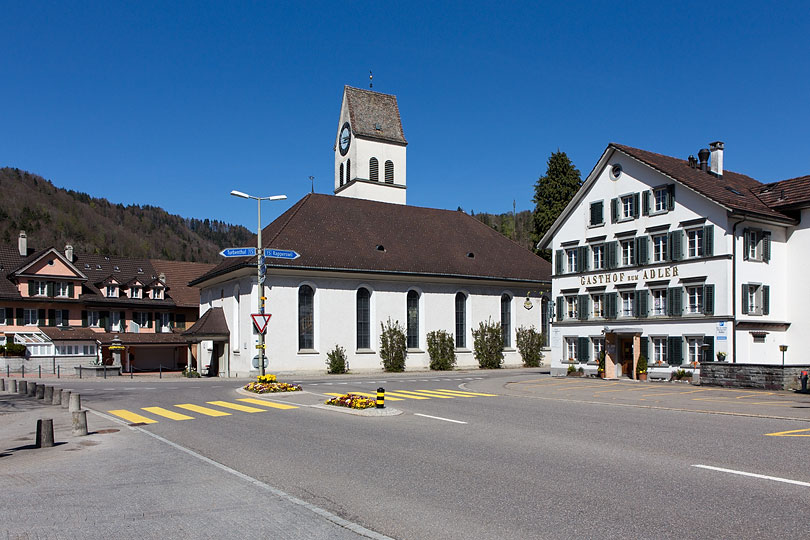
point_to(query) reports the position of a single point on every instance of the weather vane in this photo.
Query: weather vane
(370, 79)
(312, 181)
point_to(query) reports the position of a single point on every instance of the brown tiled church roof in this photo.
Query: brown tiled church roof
(369, 110)
(347, 234)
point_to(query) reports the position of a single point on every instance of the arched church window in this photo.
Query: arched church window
(341, 174)
(412, 331)
(306, 317)
(374, 170)
(389, 172)
(363, 318)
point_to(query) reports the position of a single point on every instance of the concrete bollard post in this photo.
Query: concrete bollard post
(44, 433)
(32, 389)
(48, 394)
(40, 391)
(23, 387)
(12, 389)
(79, 423)
(75, 402)
(65, 398)
(57, 396)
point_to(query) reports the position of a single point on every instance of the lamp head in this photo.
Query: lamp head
(240, 194)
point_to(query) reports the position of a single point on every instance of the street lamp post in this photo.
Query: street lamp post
(260, 269)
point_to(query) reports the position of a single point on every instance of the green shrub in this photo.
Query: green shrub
(191, 373)
(641, 366)
(529, 344)
(336, 360)
(680, 374)
(571, 369)
(393, 346)
(488, 344)
(15, 349)
(442, 350)
(601, 368)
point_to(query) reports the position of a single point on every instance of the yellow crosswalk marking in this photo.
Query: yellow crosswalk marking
(465, 392)
(132, 417)
(160, 411)
(265, 403)
(399, 394)
(408, 392)
(235, 406)
(202, 410)
(439, 393)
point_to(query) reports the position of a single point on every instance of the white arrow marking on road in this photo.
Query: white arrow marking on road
(754, 475)
(440, 418)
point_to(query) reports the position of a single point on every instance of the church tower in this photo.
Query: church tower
(370, 147)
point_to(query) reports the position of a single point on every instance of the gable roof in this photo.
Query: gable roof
(367, 109)
(211, 324)
(32, 259)
(786, 193)
(178, 275)
(343, 234)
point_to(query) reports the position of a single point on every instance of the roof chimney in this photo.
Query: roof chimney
(703, 156)
(692, 161)
(22, 244)
(717, 158)
(69, 252)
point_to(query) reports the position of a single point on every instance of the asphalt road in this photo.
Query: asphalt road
(536, 460)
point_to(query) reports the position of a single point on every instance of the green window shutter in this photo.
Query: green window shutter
(49, 289)
(149, 319)
(583, 350)
(766, 246)
(612, 254)
(104, 319)
(642, 249)
(676, 245)
(675, 301)
(3, 316)
(597, 212)
(643, 300)
(766, 300)
(41, 318)
(675, 350)
(671, 197)
(746, 246)
(65, 317)
(582, 307)
(560, 308)
(644, 347)
(171, 320)
(635, 303)
(708, 299)
(645, 203)
(614, 210)
(636, 204)
(51, 317)
(180, 320)
(708, 240)
(558, 262)
(123, 318)
(70, 290)
(31, 290)
(611, 305)
(84, 318)
(744, 298)
(708, 350)
(20, 316)
(582, 258)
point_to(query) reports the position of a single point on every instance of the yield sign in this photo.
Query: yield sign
(260, 320)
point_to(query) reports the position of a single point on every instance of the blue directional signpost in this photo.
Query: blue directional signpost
(281, 253)
(238, 252)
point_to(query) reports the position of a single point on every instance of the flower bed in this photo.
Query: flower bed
(267, 384)
(352, 401)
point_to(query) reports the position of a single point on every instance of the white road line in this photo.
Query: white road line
(754, 475)
(440, 418)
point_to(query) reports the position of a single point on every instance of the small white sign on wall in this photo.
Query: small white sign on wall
(556, 338)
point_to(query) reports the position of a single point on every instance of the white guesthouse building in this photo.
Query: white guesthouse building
(366, 257)
(680, 261)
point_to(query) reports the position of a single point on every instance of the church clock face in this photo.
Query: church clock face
(345, 139)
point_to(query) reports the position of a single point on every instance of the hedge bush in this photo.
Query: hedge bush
(14, 349)
(393, 346)
(442, 350)
(336, 360)
(488, 344)
(529, 344)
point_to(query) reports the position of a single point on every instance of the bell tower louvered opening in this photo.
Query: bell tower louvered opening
(374, 170)
(389, 172)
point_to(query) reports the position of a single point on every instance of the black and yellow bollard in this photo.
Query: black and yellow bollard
(381, 398)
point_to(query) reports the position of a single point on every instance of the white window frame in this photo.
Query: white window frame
(659, 302)
(693, 348)
(694, 299)
(627, 300)
(754, 250)
(112, 290)
(660, 242)
(40, 288)
(659, 346)
(135, 292)
(571, 260)
(571, 348)
(157, 293)
(61, 289)
(694, 243)
(571, 307)
(115, 322)
(628, 249)
(598, 256)
(141, 318)
(598, 344)
(660, 196)
(627, 210)
(94, 319)
(30, 317)
(598, 302)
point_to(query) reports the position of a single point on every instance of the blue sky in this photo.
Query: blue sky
(175, 104)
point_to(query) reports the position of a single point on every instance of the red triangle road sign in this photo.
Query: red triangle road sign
(260, 320)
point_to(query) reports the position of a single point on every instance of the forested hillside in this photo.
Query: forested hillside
(54, 216)
(518, 227)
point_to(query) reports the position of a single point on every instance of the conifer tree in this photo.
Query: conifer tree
(552, 193)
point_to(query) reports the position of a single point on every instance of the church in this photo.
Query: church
(367, 257)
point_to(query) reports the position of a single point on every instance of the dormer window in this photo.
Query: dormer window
(112, 291)
(157, 293)
(135, 292)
